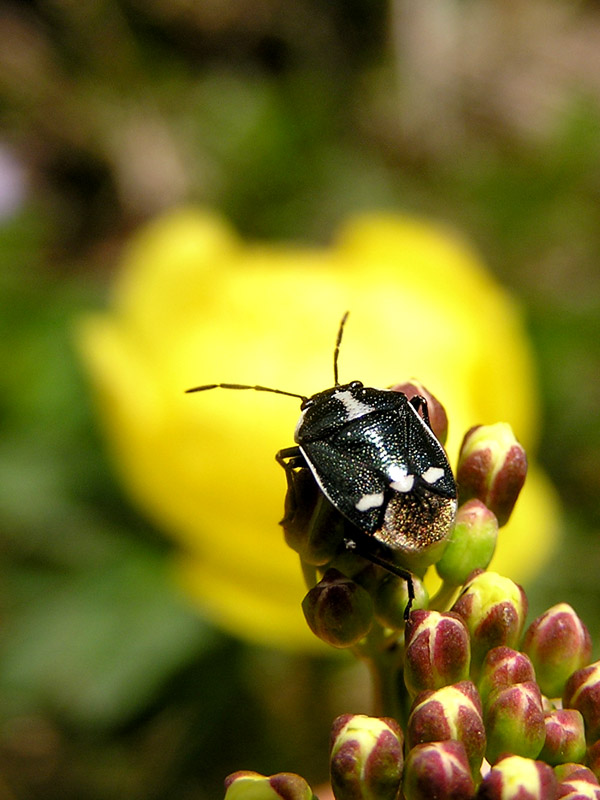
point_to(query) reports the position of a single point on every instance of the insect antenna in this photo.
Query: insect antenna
(336, 351)
(243, 386)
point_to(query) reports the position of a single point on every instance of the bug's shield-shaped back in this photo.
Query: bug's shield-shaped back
(378, 462)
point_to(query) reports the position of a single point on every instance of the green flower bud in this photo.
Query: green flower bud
(436, 411)
(366, 758)
(503, 667)
(574, 771)
(582, 691)
(518, 778)
(492, 467)
(471, 544)
(576, 782)
(565, 737)
(450, 713)
(312, 526)
(558, 643)
(338, 610)
(245, 785)
(514, 722)
(494, 609)
(438, 770)
(391, 598)
(437, 651)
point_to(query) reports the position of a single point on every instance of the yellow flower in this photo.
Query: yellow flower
(193, 304)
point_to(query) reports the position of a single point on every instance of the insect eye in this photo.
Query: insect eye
(306, 403)
(356, 385)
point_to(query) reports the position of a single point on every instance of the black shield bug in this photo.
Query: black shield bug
(376, 459)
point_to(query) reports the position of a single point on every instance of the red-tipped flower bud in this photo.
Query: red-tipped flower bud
(582, 691)
(450, 713)
(435, 410)
(438, 770)
(565, 737)
(492, 467)
(573, 771)
(338, 610)
(503, 667)
(494, 610)
(592, 759)
(576, 782)
(471, 544)
(514, 722)
(438, 651)
(366, 758)
(391, 598)
(558, 643)
(245, 785)
(518, 778)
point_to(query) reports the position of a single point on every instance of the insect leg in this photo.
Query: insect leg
(419, 403)
(290, 458)
(367, 553)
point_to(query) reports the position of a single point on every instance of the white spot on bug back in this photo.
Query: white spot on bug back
(404, 484)
(432, 474)
(368, 501)
(400, 481)
(396, 472)
(354, 407)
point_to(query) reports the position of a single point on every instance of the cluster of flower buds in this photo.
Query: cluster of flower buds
(474, 731)
(480, 706)
(491, 470)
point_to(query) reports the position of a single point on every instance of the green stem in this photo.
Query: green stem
(441, 601)
(384, 675)
(384, 656)
(309, 573)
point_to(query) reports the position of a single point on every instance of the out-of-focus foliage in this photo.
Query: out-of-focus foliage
(287, 117)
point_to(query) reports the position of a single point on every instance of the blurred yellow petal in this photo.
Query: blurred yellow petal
(194, 304)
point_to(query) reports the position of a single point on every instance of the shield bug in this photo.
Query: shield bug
(375, 458)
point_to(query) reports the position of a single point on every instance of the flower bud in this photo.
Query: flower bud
(558, 643)
(503, 667)
(492, 466)
(576, 782)
(565, 737)
(391, 598)
(437, 651)
(514, 722)
(494, 610)
(592, 759)
(438, 770)
(471, 544)
(366, 757)
(582, 691)
(574, 771)
(312, 526)
(435, 410)
(450, 713)
(338, 610)
(518, 778)
(245, 785)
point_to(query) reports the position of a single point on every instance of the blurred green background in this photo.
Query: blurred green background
(287, 117)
